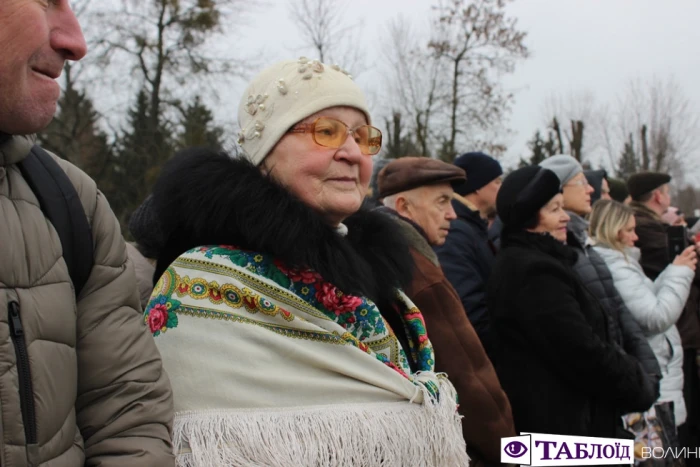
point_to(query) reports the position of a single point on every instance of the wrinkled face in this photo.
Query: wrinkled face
(37, 37)
(553, 219)
(663, 198)
(627, 235)
(333, 182)
(488, 194)
(605, 190)
(577, 195)
(430, 207)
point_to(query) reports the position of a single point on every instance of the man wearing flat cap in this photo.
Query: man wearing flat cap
(650, 200)
(417, 191)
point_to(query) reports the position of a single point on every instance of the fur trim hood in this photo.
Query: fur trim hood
(207, 198)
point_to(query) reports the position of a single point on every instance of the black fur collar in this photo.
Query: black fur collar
(543, 242)
(207, 198)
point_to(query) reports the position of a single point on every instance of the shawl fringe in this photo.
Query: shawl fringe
(348, 435)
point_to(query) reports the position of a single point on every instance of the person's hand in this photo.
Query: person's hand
(687, 258)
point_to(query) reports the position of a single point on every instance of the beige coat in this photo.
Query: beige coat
(99, 394)
(144, 269)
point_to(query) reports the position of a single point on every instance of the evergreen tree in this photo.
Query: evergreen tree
(142, 151)
(198, 128)
(628, 162)
(74, 133)
(540, 149)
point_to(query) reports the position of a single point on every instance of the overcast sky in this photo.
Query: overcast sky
(593, 46)
(577, 46)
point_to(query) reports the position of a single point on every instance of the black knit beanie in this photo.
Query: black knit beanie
(523, 193)
(481, 170)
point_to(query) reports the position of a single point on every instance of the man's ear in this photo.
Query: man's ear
(402, 206)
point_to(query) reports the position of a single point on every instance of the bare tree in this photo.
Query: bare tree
(450, 92)
(163, 44)
(566, 116)
(415, 80)
(323, 25)
(663, 125)
(479, 43)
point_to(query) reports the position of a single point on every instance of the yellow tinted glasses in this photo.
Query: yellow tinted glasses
(331, 133)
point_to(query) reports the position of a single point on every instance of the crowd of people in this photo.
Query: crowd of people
(270, 313)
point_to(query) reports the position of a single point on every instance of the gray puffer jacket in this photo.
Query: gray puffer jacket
(81, 384)
(656, 306)
(596, 277)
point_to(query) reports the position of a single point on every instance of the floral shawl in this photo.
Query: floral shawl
(275, 366)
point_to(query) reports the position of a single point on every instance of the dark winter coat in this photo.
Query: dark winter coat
(596, 277)
(559, 367)
(458, 352)
(467, 258)
(653, 244)
(495, 232)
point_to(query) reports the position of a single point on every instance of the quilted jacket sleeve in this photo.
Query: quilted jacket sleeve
(124, 404)
(656, 306)
(637, 345)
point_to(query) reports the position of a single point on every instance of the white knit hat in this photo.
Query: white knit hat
(286, 93)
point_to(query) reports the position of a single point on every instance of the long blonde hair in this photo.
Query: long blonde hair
(607, 219)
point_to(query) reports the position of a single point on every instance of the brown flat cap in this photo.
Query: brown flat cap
(408, 173)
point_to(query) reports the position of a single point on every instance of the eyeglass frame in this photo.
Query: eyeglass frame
(580, 182)
(309, 127)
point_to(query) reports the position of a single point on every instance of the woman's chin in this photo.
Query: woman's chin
(559, 236)
(342, 207)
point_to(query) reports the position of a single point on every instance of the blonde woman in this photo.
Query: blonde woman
(655, 305)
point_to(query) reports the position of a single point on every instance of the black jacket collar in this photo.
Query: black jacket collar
(543, 242)
(468, 215)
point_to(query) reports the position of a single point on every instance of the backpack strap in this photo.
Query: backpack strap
(62, 207)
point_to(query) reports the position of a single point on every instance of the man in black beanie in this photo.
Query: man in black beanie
(467, 255)
(650, 200)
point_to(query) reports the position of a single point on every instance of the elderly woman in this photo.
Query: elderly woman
(289, 341)
(656, 305)
(556, 362)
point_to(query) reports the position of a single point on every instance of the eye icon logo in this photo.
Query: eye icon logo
(515, 449)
